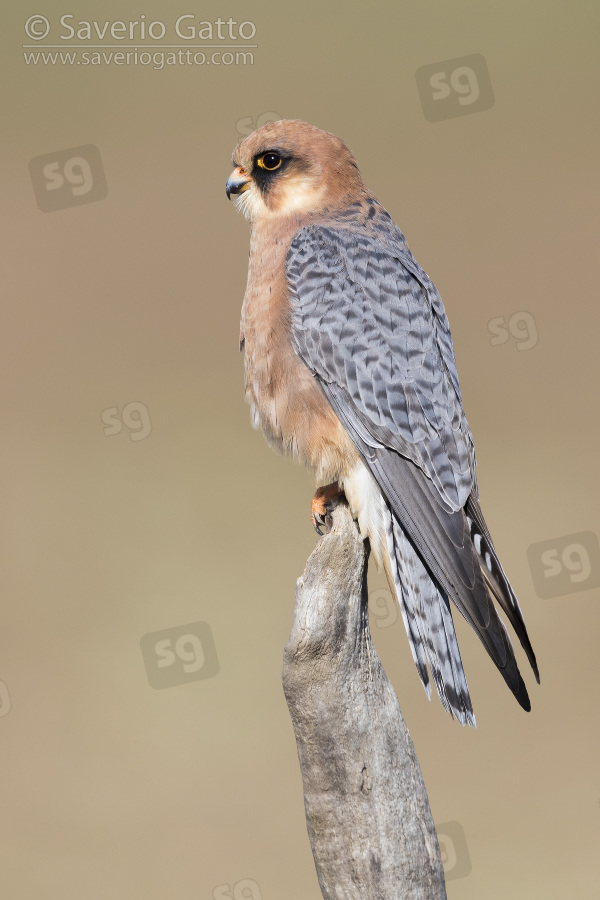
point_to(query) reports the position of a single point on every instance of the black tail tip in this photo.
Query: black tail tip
(523, 697)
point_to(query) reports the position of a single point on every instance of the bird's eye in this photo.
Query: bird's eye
(269, 161)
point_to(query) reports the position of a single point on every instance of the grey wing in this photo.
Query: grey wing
(362, 320)
(371, 327)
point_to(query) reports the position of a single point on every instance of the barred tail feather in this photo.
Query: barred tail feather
(495, 579)
(399, 588)
(428, 622)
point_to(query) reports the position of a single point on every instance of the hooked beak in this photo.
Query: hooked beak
(237, 183)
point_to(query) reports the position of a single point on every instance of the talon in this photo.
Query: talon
(323, 504)
(317, 520)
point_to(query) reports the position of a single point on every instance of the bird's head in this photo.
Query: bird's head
(290, 167)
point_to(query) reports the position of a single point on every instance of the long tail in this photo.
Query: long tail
(428, 622)
(454, 550)
(433, 555)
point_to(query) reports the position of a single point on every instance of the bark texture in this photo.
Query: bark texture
(367, 813)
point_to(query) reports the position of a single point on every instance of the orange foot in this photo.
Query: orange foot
(323, 504)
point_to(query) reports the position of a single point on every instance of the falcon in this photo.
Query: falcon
(350, 369)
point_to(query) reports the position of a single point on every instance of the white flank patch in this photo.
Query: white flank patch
(366, 505)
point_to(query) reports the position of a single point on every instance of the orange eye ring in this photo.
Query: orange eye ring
(269, 161)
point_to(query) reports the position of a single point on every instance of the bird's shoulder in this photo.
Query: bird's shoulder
(363, 252)
(363, 240)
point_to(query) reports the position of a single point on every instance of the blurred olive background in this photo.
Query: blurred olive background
(137, 499)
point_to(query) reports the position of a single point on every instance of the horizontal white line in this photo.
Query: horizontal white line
(142, 46)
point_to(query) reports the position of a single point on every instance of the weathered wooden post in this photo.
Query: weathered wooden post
(367, 813)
